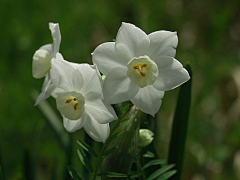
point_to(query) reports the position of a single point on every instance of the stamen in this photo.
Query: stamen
(75, 99)
(136, 67)
(144, 65)
(142, 73)
(75, 106)
(68, 101)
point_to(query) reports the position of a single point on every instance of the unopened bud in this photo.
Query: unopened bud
(145, 137)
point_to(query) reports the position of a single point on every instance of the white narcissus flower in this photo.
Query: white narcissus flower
(42, 62)
(139, 67)
(42, 57)
(81, 101)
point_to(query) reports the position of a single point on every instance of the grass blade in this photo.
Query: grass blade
(113, 136)
(84, 160)
(87, 148)
(160, 171)
(167, 175)
(149, 154)
(119, 124)
(73, 173)
(179, 127)
(112, 174)
(110, 151)
(154, 162)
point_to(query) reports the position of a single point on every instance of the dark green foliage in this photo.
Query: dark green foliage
(85, 161)
(179, 127)
(160, 172)
(73, 173)
(87, 148)
(112, 174)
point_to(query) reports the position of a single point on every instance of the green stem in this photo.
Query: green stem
(140, 166)
(99, 161)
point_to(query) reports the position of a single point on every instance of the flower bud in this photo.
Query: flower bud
(145, 137)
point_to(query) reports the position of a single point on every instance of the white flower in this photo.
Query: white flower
(139, 67)
(81, 100)
(42, 57)
(42, 62)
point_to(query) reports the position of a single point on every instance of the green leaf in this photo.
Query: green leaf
(87, 148)
(134, 174)
(112, 174)
(119, 124)
(167, 175)
(125, 108)
(110, 151)
(73, 173)
(179, 126)
(149, 154)
(84, 160)
(160, 171)
(113, 137)
(154, 162)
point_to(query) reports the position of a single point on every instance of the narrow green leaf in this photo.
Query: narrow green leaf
(167, 175)
(73, 173)
(134, 174)
(154, 162)
(149, 154)
(112, 174)
(119, 124)
(113, 137)
(160, 171)
(125, 108)
(87, 148)
(110, 151)
(84, 160)
(179, 126)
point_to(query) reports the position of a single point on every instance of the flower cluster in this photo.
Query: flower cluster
(138, 67)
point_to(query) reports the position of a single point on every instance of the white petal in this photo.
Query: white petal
(131, 42)
(47, 47)
(41, 63)
(99, 132)
(148, 100)
(65, 75)
(59, 56)
(55, 91)
(74, 125)
(56, 35)
(96, 109)
(171, 75)
(44, 95)
(91, 79)
(162, 43)
(117, 87)
(106, 59)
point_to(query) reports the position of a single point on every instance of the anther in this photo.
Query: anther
(142, 73)
(68, 101)
(75, 106)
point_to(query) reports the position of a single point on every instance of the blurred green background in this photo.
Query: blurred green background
(209, 34)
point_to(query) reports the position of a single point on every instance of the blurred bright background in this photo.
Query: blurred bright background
(209, 35)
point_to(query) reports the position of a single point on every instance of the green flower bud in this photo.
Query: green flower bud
(145, 137)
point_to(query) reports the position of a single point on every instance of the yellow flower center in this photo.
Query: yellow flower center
(71, 105)
(142, 71)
